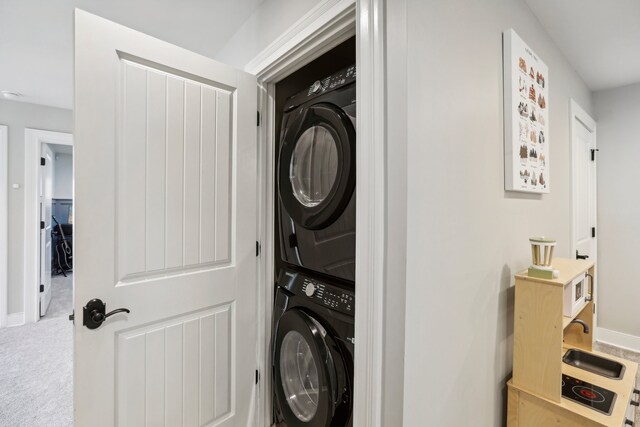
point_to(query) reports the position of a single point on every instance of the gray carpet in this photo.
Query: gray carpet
(36, 376)
(625, 354)
(61, 297)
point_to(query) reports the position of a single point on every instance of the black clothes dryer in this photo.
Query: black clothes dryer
(316, 176)
(313, 346)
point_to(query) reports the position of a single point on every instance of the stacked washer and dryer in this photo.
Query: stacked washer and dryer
(313, 333)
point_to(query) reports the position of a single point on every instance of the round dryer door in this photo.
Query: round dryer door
(306, 382)
(316, 174)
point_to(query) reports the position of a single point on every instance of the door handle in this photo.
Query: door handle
(94, 313)
(578, 256)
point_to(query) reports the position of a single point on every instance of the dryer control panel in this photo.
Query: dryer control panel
(343, 77)
(322, 293)
(340, 78)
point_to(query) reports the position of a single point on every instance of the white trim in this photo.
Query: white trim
(4, 225)
(323, 28)
(370, 212)
(34, 138)
(15, 319)
(578, 113)
(619, 339)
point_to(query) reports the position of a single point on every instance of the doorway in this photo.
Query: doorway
(325, 28)
(584, 241)
(315, 116)
(43, 201)
(56, 247)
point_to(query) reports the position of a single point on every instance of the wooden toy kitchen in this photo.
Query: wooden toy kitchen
(558, 379)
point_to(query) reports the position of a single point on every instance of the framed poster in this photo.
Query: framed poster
(526, 117)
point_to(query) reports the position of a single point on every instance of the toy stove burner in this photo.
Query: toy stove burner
(590, 395)
(587, 393)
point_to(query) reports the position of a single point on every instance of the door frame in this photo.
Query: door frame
(578, 113)
(4, 224)
(324, 27)
(34, 138)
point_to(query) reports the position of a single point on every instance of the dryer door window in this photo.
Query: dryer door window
(314, 166)
(316, 171)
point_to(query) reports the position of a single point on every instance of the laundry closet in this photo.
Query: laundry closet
(235, 245)
(312, 341)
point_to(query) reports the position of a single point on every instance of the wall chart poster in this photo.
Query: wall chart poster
(526, 117)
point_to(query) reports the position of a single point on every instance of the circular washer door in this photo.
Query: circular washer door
(305, 376)
(316, 176)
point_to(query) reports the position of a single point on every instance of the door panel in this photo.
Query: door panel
(145, 242)
(191, 354)
(46, 249)
(584, 188)
(166, 165)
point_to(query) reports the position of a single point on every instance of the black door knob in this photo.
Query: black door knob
(94, 313)
(578, 256)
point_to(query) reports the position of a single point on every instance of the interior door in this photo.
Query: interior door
(584, 187)
(165, 226)
(46, 196)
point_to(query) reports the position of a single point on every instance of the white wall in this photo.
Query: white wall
(18, 116)
(453, 231)
(63, 176)
(466, 236)
(618, 133)
(270, 19)
(396, 213)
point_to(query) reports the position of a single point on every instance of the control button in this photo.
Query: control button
(309, 289)
(317, 87)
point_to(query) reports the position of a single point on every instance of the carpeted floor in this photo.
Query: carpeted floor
(61, 297)
(36, 366)
(625, 354)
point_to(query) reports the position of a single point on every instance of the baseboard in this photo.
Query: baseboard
(15, 319)
(619, 339)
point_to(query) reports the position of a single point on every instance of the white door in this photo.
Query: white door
(165, 226)
(46, 196)
(584, 183)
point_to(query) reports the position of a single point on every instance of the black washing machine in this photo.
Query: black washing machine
(313, 343)
(316, 176)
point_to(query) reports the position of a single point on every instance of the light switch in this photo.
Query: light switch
(15, 186)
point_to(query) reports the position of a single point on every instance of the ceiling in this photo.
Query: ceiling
(601, 39)
(36, 36)
(62, 149)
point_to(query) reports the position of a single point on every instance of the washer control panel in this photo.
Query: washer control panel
(329, 296)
